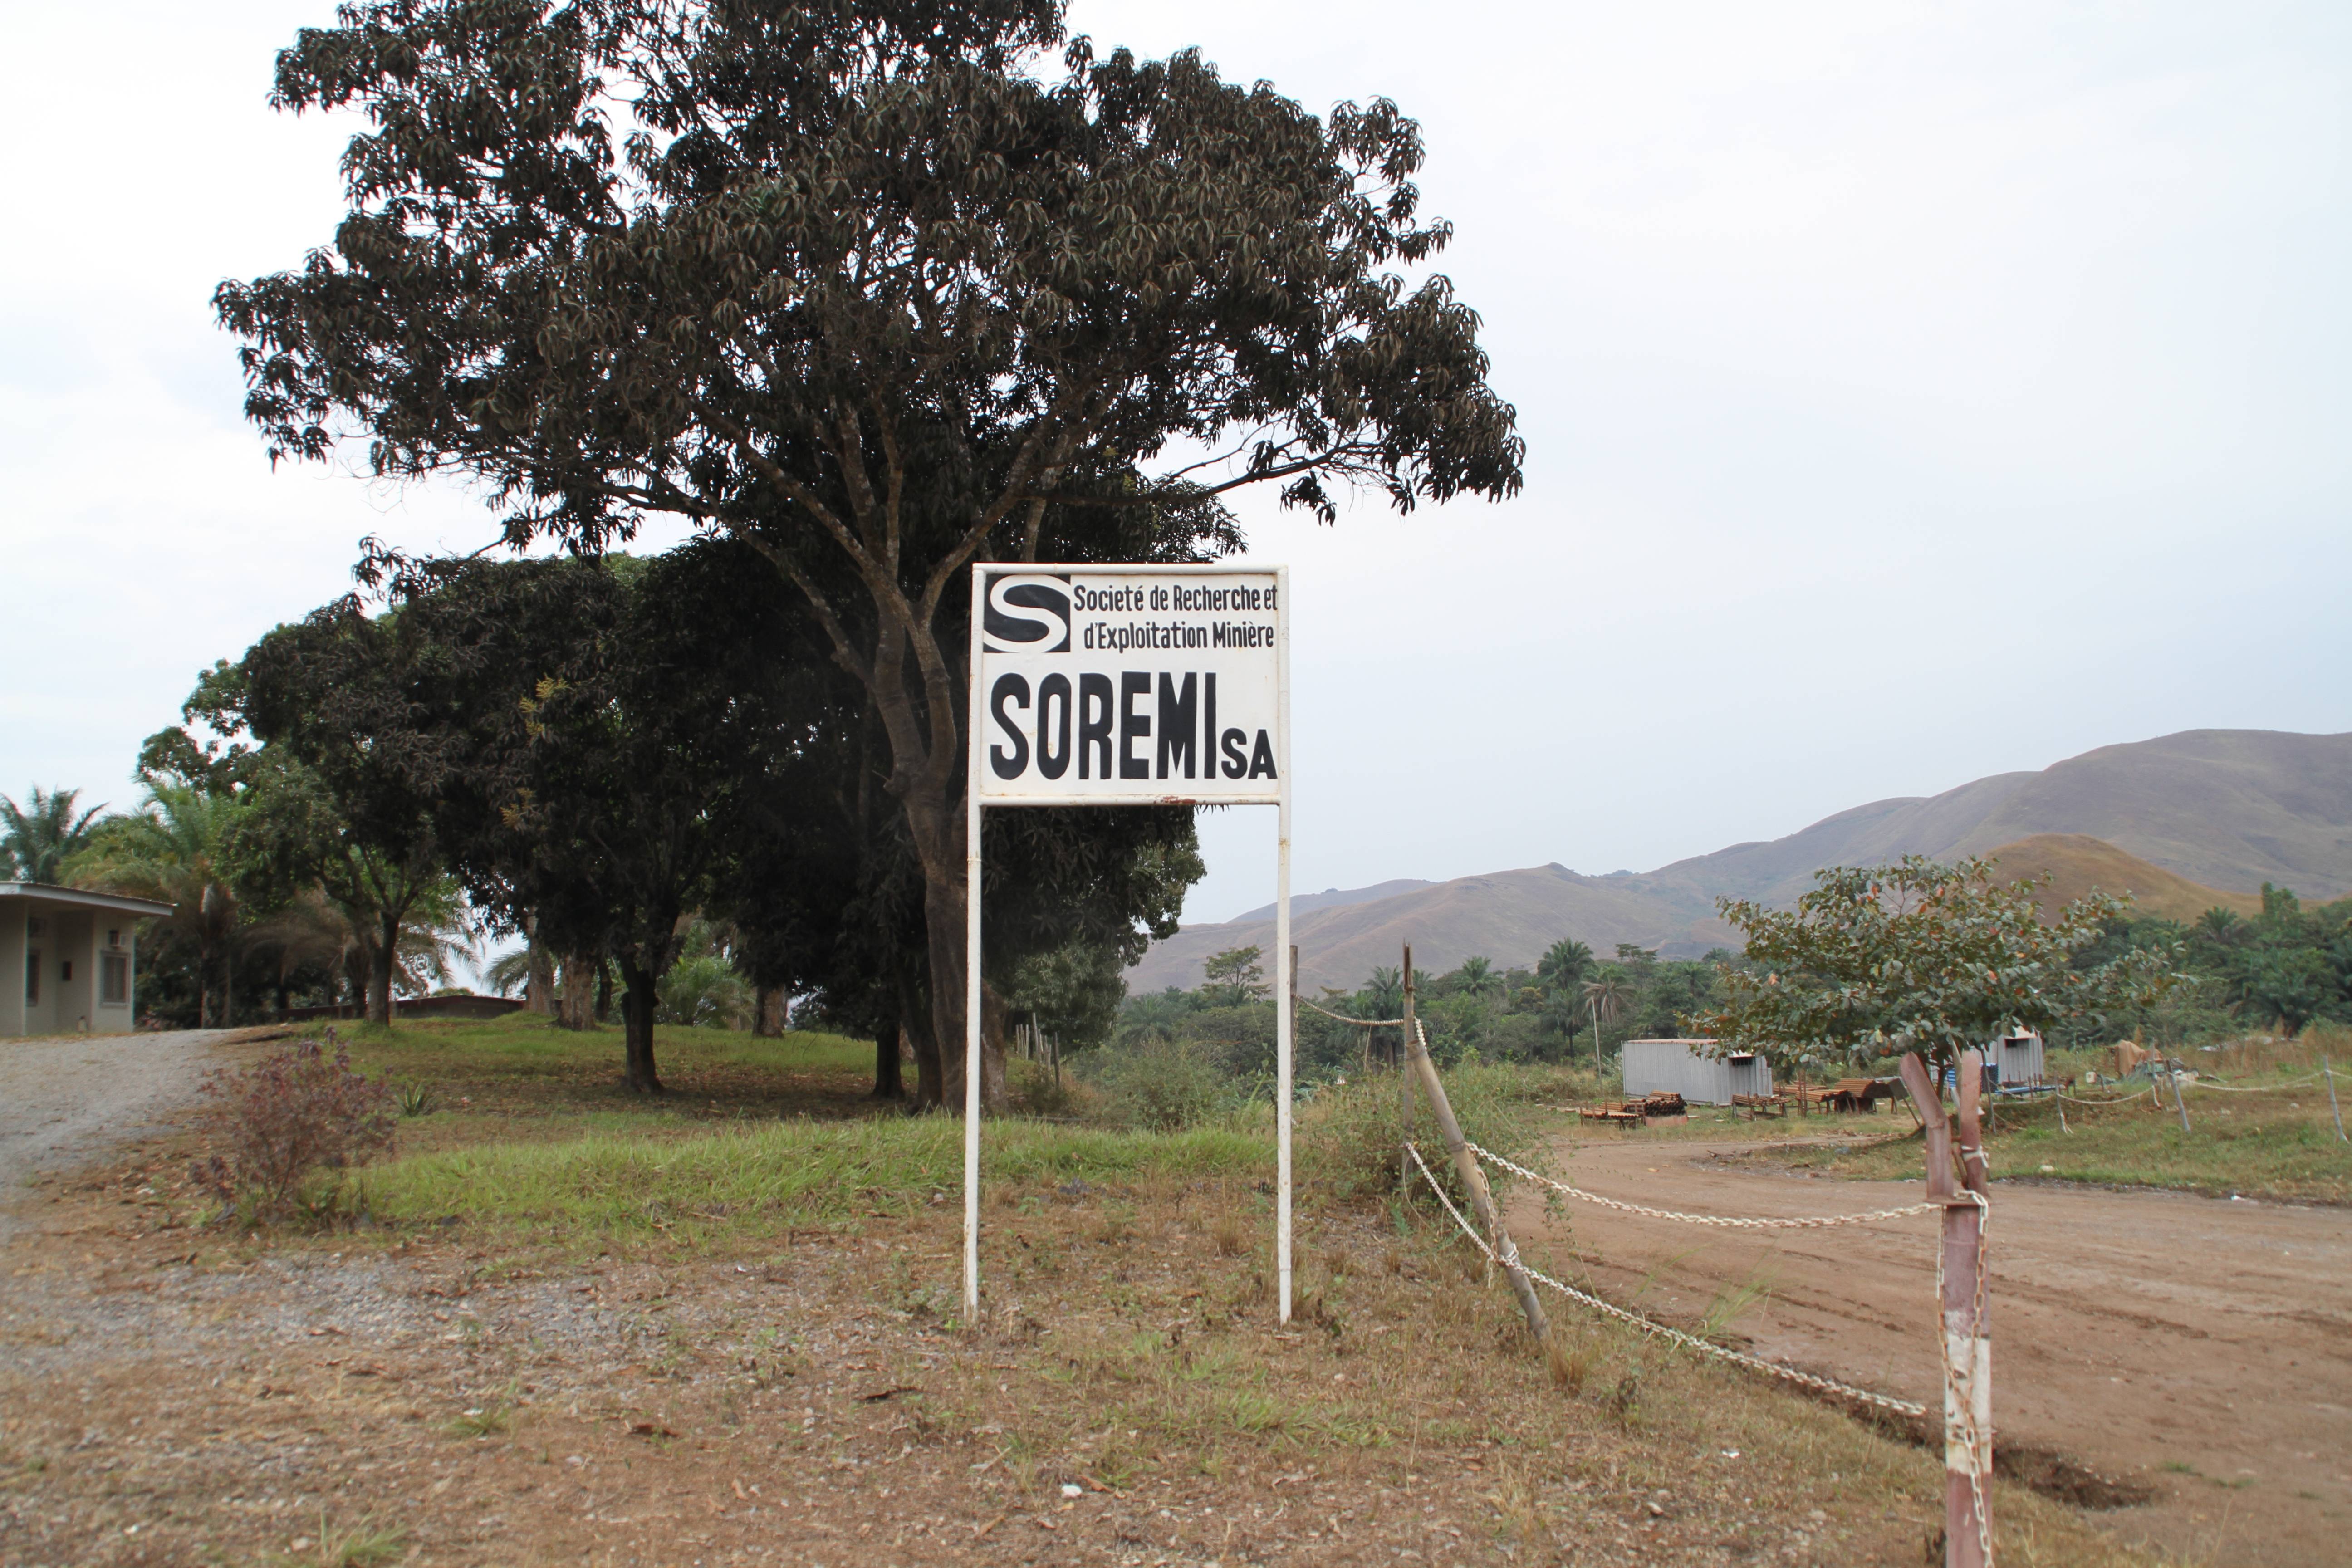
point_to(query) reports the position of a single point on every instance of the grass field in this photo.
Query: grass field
(2256, 1140)
(1129, 1352)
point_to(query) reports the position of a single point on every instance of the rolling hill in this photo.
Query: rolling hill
(2185, 821)
(2078, 863)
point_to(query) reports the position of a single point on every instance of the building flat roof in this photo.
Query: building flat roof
(82, 897)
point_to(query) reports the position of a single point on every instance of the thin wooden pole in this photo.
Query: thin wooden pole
(2180, 1102)
(2338, 1109)
(1404, 1085)
(1967, 1337)
(1473, 1181)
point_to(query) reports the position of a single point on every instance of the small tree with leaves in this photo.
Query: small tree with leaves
(1916, 956)
(1235, 976)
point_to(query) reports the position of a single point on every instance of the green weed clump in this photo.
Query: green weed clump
(1348, 1134)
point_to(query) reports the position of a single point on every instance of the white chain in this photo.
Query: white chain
(1360, 1022)
(2115, 1099)
(1728, 1222)
(2251, 1088)
(1651, 1326)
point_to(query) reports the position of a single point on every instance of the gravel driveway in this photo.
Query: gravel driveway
(65, 1100)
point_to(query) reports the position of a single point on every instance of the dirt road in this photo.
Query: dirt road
(2203, 1347)
(64, 1100)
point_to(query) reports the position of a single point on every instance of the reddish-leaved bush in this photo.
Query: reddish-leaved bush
(297, 1111)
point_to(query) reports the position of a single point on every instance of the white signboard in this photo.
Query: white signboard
(1106, 685)
(1123, 686)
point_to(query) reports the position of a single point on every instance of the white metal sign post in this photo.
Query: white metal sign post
(1143, 685)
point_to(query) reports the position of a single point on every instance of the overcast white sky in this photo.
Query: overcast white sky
(1911, 393)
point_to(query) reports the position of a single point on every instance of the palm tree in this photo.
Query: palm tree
(37, 841)
(2218, 925)
(309, 931)
(1605, 998)
(1478, 976)
(436, 930)
(1564, 964)
(172, 850)
(509, 972)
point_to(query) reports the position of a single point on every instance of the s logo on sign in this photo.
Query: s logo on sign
(1027, 615)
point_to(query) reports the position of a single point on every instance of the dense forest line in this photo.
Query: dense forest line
(2287, 967)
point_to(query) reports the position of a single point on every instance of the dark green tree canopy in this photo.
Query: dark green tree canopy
(836, 230)
(874, 288)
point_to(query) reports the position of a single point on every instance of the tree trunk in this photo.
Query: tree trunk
(573, 1007)
(638, 1021)
(382, 949)
(943, 924)
(207, 1010)
(768, 1012)
(889, 1081)
(915, 1029)
(539, 991)
(604, 990)
(995, 1024)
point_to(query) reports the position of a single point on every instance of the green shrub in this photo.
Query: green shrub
(705, 991)
(1160, 1085)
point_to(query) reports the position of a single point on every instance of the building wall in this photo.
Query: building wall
(114, 936)
(71, 951)
(73, 969)
(2020, 1058)
(1680, 1067)
(12, 966)
(38, 976)
(1747, 1075)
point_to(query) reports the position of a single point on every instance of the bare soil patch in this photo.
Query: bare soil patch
(170, 1395)
(2190, 1349)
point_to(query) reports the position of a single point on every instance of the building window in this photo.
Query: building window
(33, 978)
(65, 970)
(114, 980)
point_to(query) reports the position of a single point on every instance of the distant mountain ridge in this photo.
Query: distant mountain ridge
(2221, 810)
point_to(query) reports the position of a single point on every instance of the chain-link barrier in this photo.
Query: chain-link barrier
(1664, 1331)
(1728, 1222)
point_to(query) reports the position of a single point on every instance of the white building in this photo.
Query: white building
(76, 952)
(1684, 1068)
(2020, 1059)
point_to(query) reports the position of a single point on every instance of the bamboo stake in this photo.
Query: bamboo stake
(1404, 1085)
(1967, 1343)
(1473, 1181)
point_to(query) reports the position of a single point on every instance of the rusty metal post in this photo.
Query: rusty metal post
(1474, 1181)
(1404, 1085)
(1967, 1349)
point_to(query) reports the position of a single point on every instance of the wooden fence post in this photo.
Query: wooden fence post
(1474, 1181)
(2330, 1071)
(1404, 1085)
(1967, 1349)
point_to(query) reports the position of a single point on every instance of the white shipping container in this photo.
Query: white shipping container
(1685, 1067)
